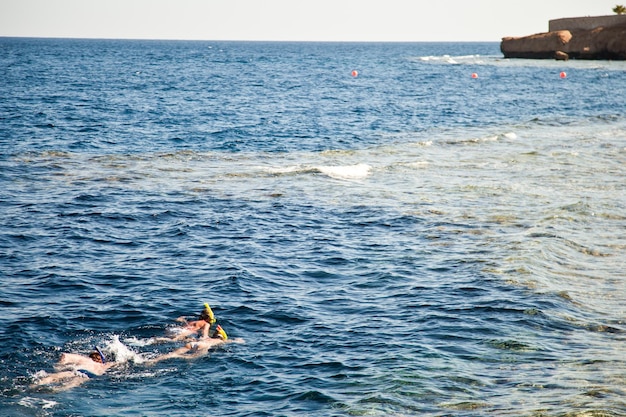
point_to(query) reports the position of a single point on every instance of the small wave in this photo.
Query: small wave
(284, 170)
(441, 58)
(455, 60)
(39, 403)
(343, 172)
(346, 172)
(483, 139)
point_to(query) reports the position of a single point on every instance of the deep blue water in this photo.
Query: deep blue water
(410, 241)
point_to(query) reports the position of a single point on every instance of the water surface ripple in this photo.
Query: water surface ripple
(410, 241)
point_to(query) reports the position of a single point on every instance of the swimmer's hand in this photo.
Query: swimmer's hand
(181, 319)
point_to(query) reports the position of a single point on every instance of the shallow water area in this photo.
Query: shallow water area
(410, 241)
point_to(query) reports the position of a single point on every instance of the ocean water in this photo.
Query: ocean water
(411, 241)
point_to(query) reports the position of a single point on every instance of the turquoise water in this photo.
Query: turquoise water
(410, 241)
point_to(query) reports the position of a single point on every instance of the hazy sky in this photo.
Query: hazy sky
(298, 20)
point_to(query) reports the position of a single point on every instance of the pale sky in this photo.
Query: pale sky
(290, 20)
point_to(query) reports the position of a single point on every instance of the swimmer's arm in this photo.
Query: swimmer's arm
(181, 319)
(178, 353)
(189, 351)
(205, 331)
(205, 345)
(65, 380)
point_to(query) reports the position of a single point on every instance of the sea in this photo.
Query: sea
(392, 229)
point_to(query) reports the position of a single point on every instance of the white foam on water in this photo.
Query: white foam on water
(346, 172)
(454, 60)
(39, 403)
(134, 341)
(121, 352)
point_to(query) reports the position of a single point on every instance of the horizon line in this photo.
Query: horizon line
(237, 40)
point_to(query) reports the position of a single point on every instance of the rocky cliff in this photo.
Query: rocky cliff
(597, 43)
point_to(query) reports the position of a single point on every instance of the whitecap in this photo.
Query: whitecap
(346, 172)
(134, 341)
(455, 60)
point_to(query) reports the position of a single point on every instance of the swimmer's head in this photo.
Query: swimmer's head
(220, 333)
(97, 356)
(94, 356)
(207, 314)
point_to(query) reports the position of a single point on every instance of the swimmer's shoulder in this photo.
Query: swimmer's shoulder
(72, 358)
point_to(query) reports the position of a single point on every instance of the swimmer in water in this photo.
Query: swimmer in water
(74, 369)
(204, 322)
(188, 331)
(194, 350)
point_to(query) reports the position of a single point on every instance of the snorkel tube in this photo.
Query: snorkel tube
(209, 312)
(219, 332)
(104, 361)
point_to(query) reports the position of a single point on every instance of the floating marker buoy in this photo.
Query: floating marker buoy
(355, 73)
(474, 75)
(563, 74)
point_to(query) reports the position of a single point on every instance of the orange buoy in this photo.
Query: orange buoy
(355, 73)
(563, 74)
(474, 75)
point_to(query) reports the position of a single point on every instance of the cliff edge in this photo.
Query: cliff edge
(606, 39)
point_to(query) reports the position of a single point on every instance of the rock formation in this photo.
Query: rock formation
(597, 43)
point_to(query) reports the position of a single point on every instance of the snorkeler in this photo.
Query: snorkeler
(188, 331)
(194, 350)
(73, 370)
(204, 322)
